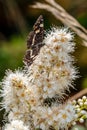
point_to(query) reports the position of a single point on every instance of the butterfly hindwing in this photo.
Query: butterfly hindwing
(34, 41)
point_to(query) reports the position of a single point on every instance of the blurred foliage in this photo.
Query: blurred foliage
(84, 83)
(11, 54)
(17, 18)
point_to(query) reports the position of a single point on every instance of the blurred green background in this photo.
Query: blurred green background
(16, 20)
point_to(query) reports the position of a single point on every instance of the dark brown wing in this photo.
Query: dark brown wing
(34, 41)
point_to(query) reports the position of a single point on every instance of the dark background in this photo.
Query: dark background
(16, 20)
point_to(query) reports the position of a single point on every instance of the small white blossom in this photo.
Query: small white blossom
(66, 116)
(84, 98)
(81, 120)
(79, 100)
(16, 125)
(19, 115)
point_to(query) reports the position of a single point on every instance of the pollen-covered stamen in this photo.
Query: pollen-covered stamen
(17, 83)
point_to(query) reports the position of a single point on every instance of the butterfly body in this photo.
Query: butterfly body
(34, 41)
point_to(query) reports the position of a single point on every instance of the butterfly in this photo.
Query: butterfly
(34, 41)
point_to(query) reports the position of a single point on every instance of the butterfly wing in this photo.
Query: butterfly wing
(34, 41)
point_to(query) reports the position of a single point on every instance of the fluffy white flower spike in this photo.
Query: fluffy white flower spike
(14, 94)
(32, 97)
(52, 71)
(18, 96)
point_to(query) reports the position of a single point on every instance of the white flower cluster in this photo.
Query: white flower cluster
(59, 117)
(16, 125)
(29, 95)
(81, 109)
(52, 72)
(18, 96)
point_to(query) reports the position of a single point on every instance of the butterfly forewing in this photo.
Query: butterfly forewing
(29, 39)
(34, 41)
(39, 29)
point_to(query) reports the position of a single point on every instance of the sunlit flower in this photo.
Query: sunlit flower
(52, 72)
(66, 116)
(16, 125)
(60, 117)
(13, 91)
(32, 97)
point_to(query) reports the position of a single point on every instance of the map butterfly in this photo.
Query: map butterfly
(34, 41)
